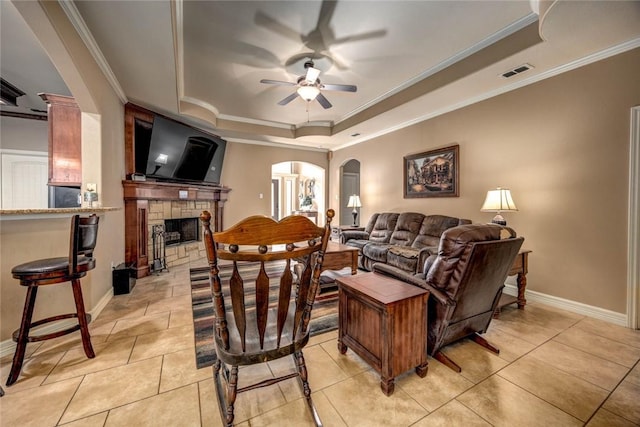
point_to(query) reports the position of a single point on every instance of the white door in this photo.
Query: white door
(23, 179)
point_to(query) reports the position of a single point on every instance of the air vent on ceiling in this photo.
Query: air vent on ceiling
(519, 69)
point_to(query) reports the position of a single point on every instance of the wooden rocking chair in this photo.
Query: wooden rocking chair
(271, 299)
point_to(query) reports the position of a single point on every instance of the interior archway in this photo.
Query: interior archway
(298, 187)
(349, 185)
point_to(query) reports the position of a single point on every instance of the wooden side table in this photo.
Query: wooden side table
(384, 321)
(338, 256)
(520, 268)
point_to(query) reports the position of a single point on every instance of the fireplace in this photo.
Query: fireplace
(148, 204)
(181, 230)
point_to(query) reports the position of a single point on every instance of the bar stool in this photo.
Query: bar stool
(50, 271)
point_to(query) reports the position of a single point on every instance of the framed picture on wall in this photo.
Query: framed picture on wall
(434, 173)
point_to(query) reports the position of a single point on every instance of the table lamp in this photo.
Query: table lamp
(499, 200)
(354, 202)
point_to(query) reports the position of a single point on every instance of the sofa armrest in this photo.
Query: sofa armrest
(440, 296)
(428, 262)
(423, 255)
(347, 235)
(397, 273)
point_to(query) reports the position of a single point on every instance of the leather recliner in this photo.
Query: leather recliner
(465, 280)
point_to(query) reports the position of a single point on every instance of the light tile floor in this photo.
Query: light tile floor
(554, 368)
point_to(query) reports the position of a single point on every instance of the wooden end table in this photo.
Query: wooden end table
(520, 268)
(339, 256)
(384, 321)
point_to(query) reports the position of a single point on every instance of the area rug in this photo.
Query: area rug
(324, 316)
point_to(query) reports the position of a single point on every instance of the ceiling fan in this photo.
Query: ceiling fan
(309, 87)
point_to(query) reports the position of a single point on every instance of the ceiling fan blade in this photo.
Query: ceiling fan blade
(312, 74)
(363, 36)
(343, 88)
(323, 101)
(326, 13)
(288, 99)
(277, 82)
(277, 27)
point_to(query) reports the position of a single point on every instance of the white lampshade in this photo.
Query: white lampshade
(354, 201)
(308, 93)
(499, 200)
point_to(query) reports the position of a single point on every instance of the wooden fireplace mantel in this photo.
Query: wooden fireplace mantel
(136, 204)
(156, 190)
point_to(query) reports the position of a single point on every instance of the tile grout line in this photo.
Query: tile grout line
(611, 393)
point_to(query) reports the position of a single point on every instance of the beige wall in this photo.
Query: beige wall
(562, 147)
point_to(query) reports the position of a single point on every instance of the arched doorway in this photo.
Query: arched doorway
(295, 187)
(349, 185)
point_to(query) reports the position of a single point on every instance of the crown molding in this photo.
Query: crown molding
(78, 23)
(589, 59)
(493, 38)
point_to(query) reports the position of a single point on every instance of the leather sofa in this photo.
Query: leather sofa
(402, 240)
(465, 280)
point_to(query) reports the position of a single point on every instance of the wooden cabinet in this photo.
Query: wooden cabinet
(384, 321)
(65, 142)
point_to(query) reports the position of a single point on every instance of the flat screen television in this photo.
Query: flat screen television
(178, 152)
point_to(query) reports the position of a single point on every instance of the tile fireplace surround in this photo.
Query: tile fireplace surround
(161, 210)
(150, 203)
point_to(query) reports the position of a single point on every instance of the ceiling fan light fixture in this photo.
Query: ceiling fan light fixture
(308, 93)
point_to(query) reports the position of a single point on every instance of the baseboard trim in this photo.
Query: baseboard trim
(572, 306)
(8, 347)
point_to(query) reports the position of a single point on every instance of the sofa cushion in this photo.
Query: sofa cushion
(376, 252)
(371, 223)
(404, 251)
(407, 228)
(384, 226)
(403, 257)
(432, 228)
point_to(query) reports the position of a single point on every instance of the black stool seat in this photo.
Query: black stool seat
(52, 271)
(52, 267)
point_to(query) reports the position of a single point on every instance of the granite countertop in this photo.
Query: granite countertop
(50, 213)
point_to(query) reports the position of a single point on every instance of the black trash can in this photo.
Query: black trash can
(123, 280)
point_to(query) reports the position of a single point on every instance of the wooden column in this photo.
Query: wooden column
(65, 140)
